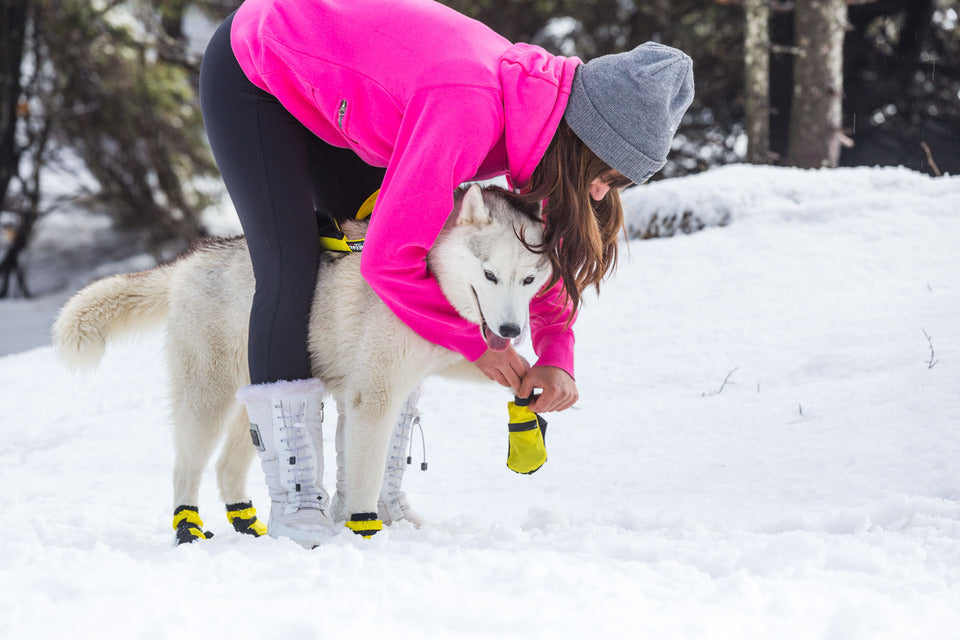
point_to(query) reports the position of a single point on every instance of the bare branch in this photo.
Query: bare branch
(931, 362)
(933, 165)
(720, 390)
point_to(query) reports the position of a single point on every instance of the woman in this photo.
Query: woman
(313, 104)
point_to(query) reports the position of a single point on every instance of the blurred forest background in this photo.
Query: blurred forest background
(98, 100)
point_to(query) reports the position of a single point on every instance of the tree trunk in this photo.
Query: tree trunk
(171, 18)
(13, 30)
(10, 266)
(757, 80)
(816, 114)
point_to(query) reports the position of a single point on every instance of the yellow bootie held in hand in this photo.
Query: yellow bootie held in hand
(527, 449)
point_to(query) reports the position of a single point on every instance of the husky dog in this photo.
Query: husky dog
(365, 356)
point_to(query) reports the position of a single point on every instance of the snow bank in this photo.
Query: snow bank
(739, 192)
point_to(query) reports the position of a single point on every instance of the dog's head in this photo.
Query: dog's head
(484, 264)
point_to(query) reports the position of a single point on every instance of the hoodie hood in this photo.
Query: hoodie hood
(536, 87)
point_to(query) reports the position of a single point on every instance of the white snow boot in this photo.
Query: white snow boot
(393, 504)
(286, 427)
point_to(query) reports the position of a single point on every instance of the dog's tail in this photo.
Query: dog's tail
(109, 308)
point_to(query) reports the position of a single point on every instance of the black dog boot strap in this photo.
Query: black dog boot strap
(188, 525)
(244, 519)
(364, 524)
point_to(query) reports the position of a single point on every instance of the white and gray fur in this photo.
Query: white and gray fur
(367, 358)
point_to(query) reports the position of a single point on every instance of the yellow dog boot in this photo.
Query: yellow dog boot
(188, 525)
(527, 449)
(244, 519)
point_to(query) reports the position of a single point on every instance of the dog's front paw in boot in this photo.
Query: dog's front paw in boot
(364, 524)
(392, 505)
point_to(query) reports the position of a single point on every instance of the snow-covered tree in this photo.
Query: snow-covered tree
(99, 82)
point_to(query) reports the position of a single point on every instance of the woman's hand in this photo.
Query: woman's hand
(559, 389)
(506, 367)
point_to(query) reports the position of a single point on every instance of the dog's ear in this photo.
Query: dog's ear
(473, 210)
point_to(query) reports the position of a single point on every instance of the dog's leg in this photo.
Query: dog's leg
(194, 440)
(461, 369)
(393, 504)
(370, 414)
(232, 468)
(201, 397)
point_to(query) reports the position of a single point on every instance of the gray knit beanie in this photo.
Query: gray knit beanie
(626, 107)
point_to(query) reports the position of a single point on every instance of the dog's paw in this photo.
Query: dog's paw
(244, 519)
(188, 525)
(364, 524)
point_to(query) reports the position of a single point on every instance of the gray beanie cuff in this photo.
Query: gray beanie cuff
(591, 127)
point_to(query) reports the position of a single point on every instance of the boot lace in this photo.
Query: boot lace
(300, 467)
(400, 457)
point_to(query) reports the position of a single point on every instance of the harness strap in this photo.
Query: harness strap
(339, 241)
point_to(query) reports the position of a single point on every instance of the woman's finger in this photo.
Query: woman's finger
(544, 402)
(511, 377)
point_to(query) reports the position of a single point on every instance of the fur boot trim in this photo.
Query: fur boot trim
(281, 388)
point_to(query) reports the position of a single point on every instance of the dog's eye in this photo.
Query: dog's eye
(528, 280)
(492, 278)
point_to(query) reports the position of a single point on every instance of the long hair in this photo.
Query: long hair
(580, 236)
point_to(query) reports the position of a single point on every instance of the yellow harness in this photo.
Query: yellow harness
(340, 242)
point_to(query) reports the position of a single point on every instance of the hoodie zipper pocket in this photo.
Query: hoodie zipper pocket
(341, 116)
(341, 113)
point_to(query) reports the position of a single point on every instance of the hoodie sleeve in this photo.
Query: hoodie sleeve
(552, 336)
(445, 135)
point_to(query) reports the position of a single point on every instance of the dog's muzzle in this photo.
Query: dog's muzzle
(494, 340)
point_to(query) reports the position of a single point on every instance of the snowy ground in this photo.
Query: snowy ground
(816, 496)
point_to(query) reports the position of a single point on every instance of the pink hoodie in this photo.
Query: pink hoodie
(436, 98)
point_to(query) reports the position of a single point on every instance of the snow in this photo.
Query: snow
(816, 495)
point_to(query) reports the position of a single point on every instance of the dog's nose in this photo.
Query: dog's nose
(509, 330)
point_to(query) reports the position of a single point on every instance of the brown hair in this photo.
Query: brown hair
(580, 236)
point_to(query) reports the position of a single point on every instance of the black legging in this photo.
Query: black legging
(280, 177)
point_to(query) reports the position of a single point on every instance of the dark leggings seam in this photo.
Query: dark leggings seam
(278, 264)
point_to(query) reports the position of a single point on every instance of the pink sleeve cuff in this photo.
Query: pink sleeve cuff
(555, 349)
